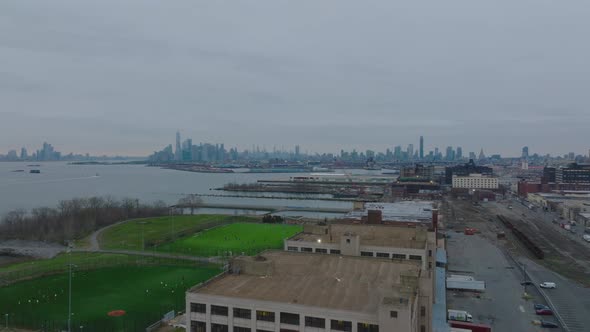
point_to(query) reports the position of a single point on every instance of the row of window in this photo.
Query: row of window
(269, 316)
(317, 250)
(363, 253)
(198, 326)
(387, 255)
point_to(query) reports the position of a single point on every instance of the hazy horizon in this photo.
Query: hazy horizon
(120, 78)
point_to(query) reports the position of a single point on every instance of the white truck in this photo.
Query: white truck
(459, 315)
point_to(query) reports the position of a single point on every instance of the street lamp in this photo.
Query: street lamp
(6, 316)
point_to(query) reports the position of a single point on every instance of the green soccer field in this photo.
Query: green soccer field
(248, 238)
(132, 234)
(145, 293)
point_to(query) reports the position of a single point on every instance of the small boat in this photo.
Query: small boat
(18, 170)
(35, 171)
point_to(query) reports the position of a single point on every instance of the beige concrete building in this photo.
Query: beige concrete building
(286, 291)
(475, 181)
(381, 241)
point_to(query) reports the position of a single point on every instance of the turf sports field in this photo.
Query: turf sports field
(249, 238)
(145, 293)
(128, 235)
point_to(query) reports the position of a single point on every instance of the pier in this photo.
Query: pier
(270, 209)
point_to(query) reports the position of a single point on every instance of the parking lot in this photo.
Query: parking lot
(502, 304)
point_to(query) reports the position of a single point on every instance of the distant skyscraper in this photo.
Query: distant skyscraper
(23, 153)
(459, 154)
(421, 147)
(450, 155)
(525, 152)
(410, 150)
(472, 155)
(297, 150)
(481, 155)
(178, 152)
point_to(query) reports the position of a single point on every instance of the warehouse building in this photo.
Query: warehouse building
(475, 181)
(380, 241)
(285, 291)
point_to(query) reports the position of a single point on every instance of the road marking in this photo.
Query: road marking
(521, 309)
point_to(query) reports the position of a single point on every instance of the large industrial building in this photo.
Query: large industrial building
(475, 181)
(380, 241)
(285, 291)
(402, 212)
(465, 170)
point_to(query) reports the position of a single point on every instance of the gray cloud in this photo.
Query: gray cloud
(123, 76)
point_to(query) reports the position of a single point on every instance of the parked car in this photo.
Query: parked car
(547, 284)
(548, 324)
(544, 312)
(526, 283)
(539, 306)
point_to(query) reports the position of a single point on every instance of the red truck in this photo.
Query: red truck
(471, 326)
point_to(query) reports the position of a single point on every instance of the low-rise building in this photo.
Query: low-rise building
(284, 291)
(414, 212)
(380, 241)
(475, 181)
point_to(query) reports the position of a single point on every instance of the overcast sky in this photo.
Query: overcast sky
(120, 77)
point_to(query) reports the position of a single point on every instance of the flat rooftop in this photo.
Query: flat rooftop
(404, 211)
(369, 235)
(357, 284)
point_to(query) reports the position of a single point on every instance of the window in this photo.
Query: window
(335, 251)
(198, 326)
(303, 249)
(288, 318)
(416, 257)
(219, 311)
(218, 327)
(430, 265)
(429, 253)
(242, 313)
(398, 256)
(340, 325)
(293, 248)
(315, 322)
(422, 328)
(367, 253)
(321, 251)
(383, 255)
(241, 329)
(267, 316)
(364, 327)
(422, 311)
(263, 331)
(199, 307)
(347, 240)
(393, 314)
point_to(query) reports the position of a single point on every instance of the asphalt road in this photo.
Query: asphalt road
(501, 305)
(569, 299)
